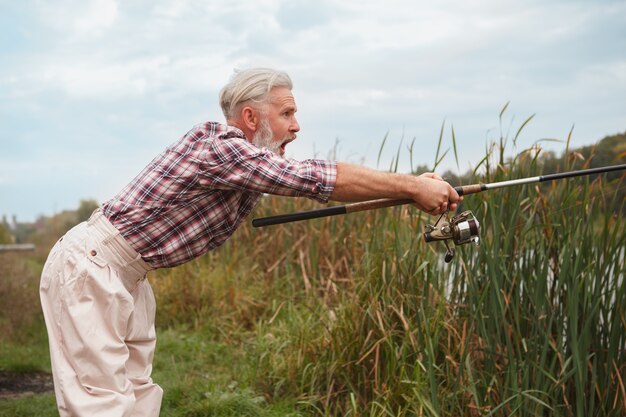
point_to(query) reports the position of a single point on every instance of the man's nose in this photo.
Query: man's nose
(295, 127)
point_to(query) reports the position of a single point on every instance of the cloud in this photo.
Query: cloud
(78, 19)
(113, 82)
(94, 79)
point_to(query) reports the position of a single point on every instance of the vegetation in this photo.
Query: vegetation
(356, 316)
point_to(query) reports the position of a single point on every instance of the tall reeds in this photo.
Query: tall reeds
(357, 316)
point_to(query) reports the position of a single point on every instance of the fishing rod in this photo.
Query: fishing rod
(461, 229)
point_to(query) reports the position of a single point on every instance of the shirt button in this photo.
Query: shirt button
(93, 252)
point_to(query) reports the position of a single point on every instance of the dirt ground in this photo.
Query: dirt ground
(16, 384)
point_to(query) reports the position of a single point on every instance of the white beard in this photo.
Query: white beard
(263, 138)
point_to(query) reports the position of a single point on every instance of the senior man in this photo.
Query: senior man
(99, 307)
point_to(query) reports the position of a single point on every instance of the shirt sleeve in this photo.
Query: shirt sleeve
(235, 164)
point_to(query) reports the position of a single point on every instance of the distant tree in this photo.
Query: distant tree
(23, 232)
(5, 235)
(609, 151)
(85, 209)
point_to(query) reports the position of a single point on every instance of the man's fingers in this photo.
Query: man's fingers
(438, 197)
(453, 196)
(432, 175)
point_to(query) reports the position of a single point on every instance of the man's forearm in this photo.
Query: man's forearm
(357, 183)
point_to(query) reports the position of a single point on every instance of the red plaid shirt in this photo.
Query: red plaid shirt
(194, 195)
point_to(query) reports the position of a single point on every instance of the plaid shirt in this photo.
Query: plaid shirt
(194, 195)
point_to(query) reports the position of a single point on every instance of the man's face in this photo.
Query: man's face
(279, 127)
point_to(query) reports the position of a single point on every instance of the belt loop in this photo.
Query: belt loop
(94, 216)
(109, 238)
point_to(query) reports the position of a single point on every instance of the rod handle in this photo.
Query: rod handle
(328, 211)
(302, 215)
(469, 189)
(376, 204)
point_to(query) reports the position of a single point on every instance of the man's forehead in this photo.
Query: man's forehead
(282, 96)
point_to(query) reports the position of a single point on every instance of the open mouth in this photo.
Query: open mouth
(284, 145)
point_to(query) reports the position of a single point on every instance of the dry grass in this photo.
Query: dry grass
(19, 294)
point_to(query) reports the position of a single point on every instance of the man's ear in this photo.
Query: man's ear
(250, 118)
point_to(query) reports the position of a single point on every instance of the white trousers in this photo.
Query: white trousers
(99, 311)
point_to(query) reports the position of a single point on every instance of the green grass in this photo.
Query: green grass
(30, 353)
(42, 405)
(200, 377)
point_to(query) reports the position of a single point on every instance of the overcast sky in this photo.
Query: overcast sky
(92, 90)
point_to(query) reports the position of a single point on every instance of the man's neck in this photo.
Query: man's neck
(249, 134)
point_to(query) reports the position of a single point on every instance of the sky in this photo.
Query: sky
(92, 90)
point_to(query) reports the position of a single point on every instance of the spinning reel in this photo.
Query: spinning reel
(461, 229)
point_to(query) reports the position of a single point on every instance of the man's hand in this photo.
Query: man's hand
(433, 195)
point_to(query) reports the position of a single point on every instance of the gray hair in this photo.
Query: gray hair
(251, 86)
